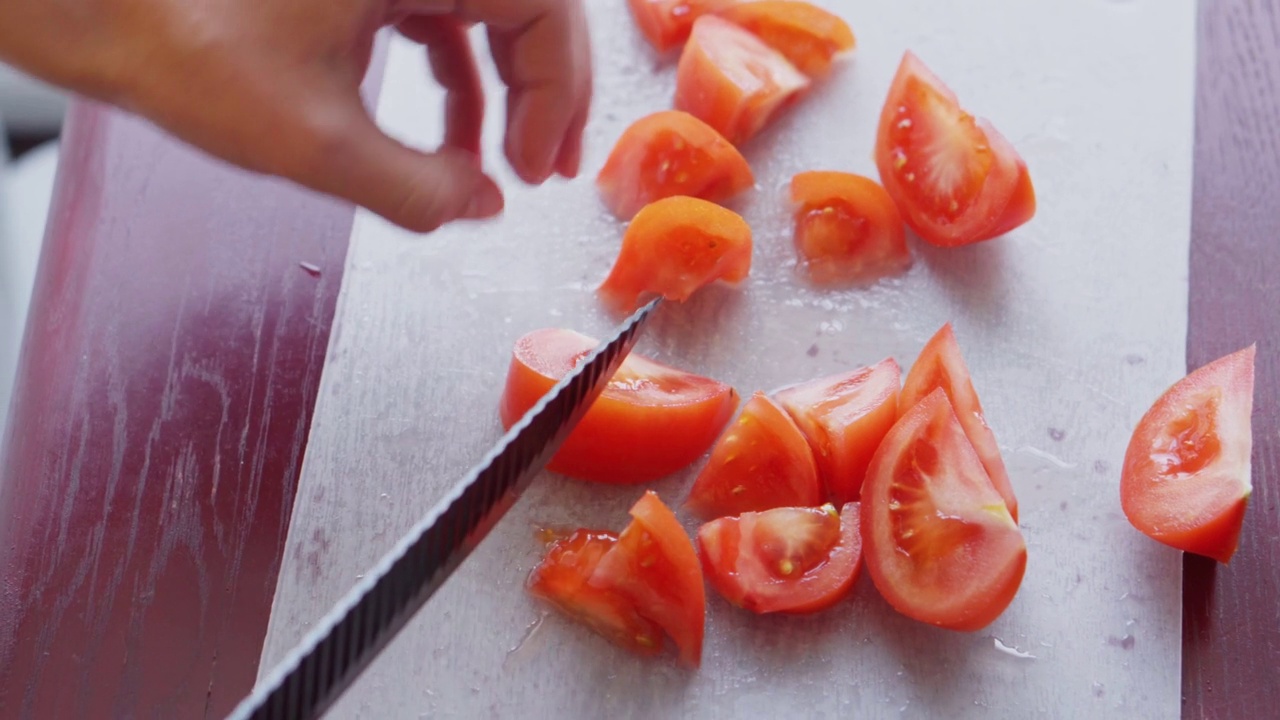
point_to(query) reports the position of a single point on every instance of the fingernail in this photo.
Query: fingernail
(484, 203)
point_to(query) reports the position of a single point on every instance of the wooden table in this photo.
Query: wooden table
(146, 486)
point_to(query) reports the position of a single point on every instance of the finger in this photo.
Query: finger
(570, 159)
(454, 67)
(543, 54)
(349, 156)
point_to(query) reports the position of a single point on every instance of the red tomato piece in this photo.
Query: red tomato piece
(650, 420)
(656, 566)
(955, 179)
(805, 34)
(666, 154)
(1187, 471)
(762, 461)
(790, 559)
(561, 579)
(940, 544)
(844, 417)
(674, 247)
(732, 81)
(846, 227)
(940, 365)
(666, 23)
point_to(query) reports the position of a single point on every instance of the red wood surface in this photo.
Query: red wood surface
(159, 423)
(1231, 615)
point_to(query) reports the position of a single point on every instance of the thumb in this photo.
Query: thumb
(415, 190)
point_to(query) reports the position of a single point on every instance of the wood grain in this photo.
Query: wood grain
(1231, 615)
(177, 334)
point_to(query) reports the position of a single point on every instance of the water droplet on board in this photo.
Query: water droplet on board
(1012, 651)
(311, 269)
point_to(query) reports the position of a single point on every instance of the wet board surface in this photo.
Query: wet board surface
(1071, 326)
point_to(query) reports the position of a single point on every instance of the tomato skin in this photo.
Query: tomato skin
(989, 189)
(844, 417)
(1186, 480)
(674, 247)
(656, 566)
(561, 580)
(732, 81)
(805, 34)
(650, 421)
(666, 23)
(670, 153)
(938, 540)
(846, 227)
(940, 364)
(738, 565)
(762, 461)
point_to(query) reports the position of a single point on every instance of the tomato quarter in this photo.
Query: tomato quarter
(844, 417)
(650, 420)
(955, 179)
(804, 33)
(561, 579)
(940, 365)
(666, 23)
(846, 228)
(1187, 479)
(939, 542)
(732, 81)
(666, 154)
(790, 559)
(674, 247)
(655, 564)
(762, 461)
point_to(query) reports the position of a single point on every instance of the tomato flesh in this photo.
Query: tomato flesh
(1187, 471)
(955, 179)
(941, 365)
(846, 228)
(805, 34)
(655, 565)
(561, 579)
(666, 23)
(762, 461)
(732, 81)
(670, 153)
(788, 559)
(674, 247)
(940, 544)
(844, 417)
(650, 420)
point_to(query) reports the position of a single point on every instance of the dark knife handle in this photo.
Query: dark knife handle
(310, 679)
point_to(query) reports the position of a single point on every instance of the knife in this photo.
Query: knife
(307, 682)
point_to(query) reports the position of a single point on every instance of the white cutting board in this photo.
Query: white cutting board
(1071, 326)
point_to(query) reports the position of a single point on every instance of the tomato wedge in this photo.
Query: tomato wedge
(805, 34)
(1187, 479)
(732, 81)
(955, 179)
(762, 461)
(666, 23)
(940, 544)
(940, 365)
(655, 564)
(650, 421)
(674, 247)
(790, 559)
(844, 417)
(561, 579)
(670, 153)
(846, 228)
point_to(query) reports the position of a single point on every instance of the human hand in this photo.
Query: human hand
(273, 86)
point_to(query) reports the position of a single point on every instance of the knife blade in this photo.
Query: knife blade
(307, 682)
